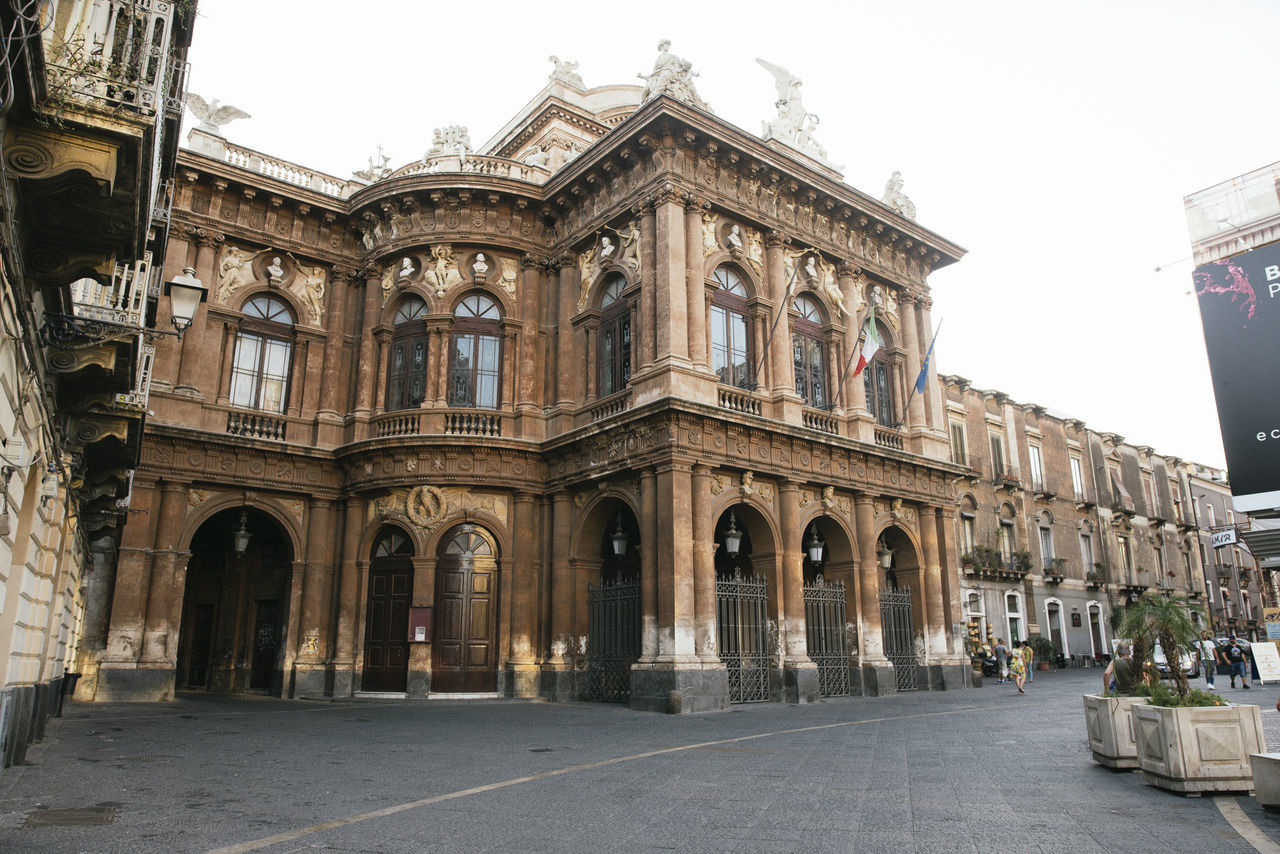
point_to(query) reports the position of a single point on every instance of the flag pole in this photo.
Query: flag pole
(857, 348)
(781, 310)
(924, 371)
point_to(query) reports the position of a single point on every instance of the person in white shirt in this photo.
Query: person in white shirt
(1208, 653)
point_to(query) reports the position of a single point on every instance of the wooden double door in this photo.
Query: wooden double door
(386, 642)
(464, 642)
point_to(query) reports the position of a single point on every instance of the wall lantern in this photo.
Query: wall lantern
(815, 545)
(185, 293)
(619, 539)
(884, 553)
(241, 535)
(732, 537)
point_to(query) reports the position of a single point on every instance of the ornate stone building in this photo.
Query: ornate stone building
(573, 417)
(88, 144)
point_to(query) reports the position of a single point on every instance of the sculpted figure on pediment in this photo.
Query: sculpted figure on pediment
(630, 256)
(309, 286)
(896, 199)
(672, 76)
(710, 223)
(442, 273)
(588, 270)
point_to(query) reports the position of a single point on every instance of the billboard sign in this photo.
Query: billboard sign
(1240, 309)
(1226, 537)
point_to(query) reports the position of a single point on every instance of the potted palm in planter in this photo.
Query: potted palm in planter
(1186, 740)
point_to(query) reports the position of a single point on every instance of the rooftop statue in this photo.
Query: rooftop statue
(794, 125)
(213, 115)
(672, 76)
(896, 199)
(378, 169)
(451, 140)
(566, 70)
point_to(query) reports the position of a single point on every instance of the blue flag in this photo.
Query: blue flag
(924, 367)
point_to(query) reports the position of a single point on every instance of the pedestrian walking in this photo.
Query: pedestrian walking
(1237, 661)
(1018, 666)
(1208, 652)
(1118, 677)
(1029, 660)
(1002, 660)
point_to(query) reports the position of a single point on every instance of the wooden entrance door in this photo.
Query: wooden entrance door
(386, 637)
(464, 657)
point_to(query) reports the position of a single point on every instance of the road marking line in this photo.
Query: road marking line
(290, 835)
(1244, 826)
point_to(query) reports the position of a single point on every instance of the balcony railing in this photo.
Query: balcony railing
(114, 54)
(137, 397)
(472, 424)
(481, 164)
(738, 400)
(609, 406)
(887, 438)
(256, 425)
(282, 170)
(124, 301)
(816, 420)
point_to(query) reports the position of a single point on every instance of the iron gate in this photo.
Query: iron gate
(613, 639)
(824, 621)
(742, 630)
(899, 636)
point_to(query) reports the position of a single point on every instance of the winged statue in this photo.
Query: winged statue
(212, 115)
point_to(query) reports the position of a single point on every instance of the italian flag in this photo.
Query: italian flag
(870, 343)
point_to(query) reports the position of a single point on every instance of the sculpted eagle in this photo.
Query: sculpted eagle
(212, 116)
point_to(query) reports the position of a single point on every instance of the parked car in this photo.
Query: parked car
(1190, 666)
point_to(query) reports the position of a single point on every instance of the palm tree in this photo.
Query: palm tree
(1162, 619)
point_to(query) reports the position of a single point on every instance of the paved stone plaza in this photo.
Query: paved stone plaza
(983, 770)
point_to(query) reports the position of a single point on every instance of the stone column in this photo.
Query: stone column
(168, 582)
(670, 288)
(877, 672)
(799, 673)
(128, 612)
(312, 650)
(704, 568)
(646, 333)
(695, 289)
(364, 374)
(648, 566)
(523, 667)
(335, 328)
(557, 680)
(383, 342)
(528, 388)
(567, 294)
(915, 412)
(193, 349)
(781, 375)
(346, 607)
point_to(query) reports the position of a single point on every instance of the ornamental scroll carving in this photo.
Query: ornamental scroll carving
(426, 506)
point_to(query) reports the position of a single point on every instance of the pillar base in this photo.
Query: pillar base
(676, 689)
(800, 683)
(879, 680)
(949, 677)
(134, 684)
(417, 684)
(523, 680)
(344, 683)
(309, 681)
(559, 685)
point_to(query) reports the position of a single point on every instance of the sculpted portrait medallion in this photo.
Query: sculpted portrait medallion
(425, 506)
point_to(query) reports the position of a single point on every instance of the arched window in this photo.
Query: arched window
(878, 380)
(615, 336)
(407, 360)
(809, 353)
(393, 543)
(730, 340)
(475, 371)
(260, 368)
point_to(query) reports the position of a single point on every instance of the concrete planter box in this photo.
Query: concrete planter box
(1266, 779)
(1110, 729)
(1198, 749)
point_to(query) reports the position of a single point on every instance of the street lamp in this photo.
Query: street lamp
(732, 537)
(241, 535)
(83, 331)
(815, 545)
(884, 553)
(619, 539)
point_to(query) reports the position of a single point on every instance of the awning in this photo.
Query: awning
(1262, 536)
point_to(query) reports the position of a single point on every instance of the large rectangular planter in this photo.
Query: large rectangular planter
(1110, 728)
(1198, 749)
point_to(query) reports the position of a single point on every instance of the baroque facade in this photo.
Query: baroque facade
(89, 130)
(574, 417)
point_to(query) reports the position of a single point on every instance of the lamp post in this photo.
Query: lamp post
(619, 539)
(241, 535)
(884, 554)
(815, 545)
(732, 538)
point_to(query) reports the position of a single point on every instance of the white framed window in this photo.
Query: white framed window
(1086, 551)
(1037, 468)
(997, 455)
(1077, 477)
(1013, 616)
(967, 532)
(1054, 622)
(959, 450)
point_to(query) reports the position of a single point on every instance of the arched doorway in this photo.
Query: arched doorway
(825, 612)
(386, 632)
(901, 606)
(465, 642)
(613, 607)
(236, 605)
(743, 546)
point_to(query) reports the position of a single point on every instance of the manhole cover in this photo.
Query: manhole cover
(70, 817)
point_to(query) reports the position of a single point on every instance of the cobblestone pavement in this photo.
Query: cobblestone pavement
(982, 770)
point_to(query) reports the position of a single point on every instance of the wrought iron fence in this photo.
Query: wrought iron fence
(613, 639)
(742, 629)
(899, 636)
(824, 620)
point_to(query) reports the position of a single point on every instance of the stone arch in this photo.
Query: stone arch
(503, 299)
(753, 283)
(265, 504)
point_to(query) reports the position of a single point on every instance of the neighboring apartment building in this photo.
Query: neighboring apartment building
(568, 417)
(89, 127)
(1235, 588)
(1059, 526)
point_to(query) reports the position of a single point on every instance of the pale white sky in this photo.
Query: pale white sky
(1055, 144)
